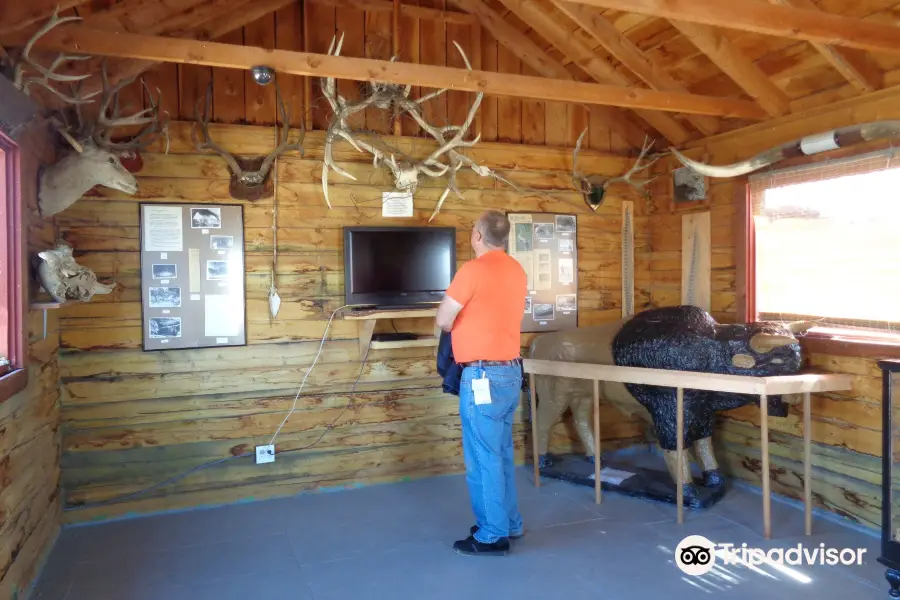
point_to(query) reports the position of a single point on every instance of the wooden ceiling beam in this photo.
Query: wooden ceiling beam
(584, 57)
(74, 38)
(716, 46)
(594, 23)
(406, 10)
(19, 14)
(856, 68)
(761, 17)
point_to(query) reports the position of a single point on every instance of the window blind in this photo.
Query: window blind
(828, 243)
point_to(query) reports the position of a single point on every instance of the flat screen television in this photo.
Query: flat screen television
(398, 266)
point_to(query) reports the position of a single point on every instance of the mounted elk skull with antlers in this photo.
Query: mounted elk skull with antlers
(593, 187)
(249, 175)
(446, 160)
(94, 158)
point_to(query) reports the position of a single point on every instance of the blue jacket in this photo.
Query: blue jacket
(452, 371)
(447, 366)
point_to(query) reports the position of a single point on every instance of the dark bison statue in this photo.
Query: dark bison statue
(684, 338)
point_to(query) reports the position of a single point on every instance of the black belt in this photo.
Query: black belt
(492, 363)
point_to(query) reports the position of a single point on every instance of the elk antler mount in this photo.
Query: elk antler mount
(249, 174)
(94, 159)
(446, 160)
(811, 144)
(593, 187)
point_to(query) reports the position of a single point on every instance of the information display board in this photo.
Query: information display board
(545, 245)
(192, 276)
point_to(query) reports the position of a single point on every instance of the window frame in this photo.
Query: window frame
(14, 378)
(824, 342)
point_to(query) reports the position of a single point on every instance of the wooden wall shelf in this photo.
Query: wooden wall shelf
(368, 319)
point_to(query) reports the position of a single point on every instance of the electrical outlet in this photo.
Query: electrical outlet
(265, 454)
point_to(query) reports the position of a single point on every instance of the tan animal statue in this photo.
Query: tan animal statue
(683, 338)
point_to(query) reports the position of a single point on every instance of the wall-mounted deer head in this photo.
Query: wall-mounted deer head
(94, 158)
(249, 175)
(593, 187)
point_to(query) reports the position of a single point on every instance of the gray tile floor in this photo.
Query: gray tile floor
(393, 542)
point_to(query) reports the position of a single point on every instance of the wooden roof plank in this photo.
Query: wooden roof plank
(584, 57)
(619, 46)
(768, 19)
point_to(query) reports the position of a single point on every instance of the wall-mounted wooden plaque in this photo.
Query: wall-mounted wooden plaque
(545, 244)
(192, 276)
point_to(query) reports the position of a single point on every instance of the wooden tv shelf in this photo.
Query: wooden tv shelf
(368, 319)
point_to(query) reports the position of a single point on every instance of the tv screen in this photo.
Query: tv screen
(398, 266)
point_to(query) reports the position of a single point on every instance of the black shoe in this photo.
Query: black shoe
(473, 547)
(474, 528)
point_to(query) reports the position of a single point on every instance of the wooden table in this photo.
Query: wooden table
(680, 380)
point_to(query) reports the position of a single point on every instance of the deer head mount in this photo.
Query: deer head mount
(593, 187)
(94, 158)
(446, 160)
(249, 175)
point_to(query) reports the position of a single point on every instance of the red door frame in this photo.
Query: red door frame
(12, 284)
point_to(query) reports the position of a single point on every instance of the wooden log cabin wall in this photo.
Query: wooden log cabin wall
(846, 426)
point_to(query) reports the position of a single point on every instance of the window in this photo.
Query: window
(824, 245)
(12, 357)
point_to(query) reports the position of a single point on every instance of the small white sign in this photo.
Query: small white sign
(163, 341)
(396, 204)
(164, 255)
(195, 296)
(221, 340)
(165, 312)
(204, 231)
(221, 252)
(164, 281)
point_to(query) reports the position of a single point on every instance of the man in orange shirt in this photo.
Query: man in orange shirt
(483, 310)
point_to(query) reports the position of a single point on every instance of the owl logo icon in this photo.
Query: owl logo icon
(695, 555)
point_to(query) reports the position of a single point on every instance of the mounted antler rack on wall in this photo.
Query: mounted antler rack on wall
(249, 175)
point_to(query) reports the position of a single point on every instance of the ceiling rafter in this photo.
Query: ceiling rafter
(19, 14)
(716, 46)
(857, 68)
(760, 17)
(584, 57)
(605, 33)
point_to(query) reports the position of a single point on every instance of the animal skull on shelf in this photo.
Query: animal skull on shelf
(94, 158)
(446, 160)
(249, 175)
(64, 279)
(593, 187)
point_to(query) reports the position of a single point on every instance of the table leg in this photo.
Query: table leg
(807, 462)
(597, 485)
(679, 494)
(764, 450)
(534, 433)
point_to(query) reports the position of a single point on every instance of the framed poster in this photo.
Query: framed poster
(545, 244)
(192, 276)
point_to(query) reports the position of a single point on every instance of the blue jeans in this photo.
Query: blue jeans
(488, 451)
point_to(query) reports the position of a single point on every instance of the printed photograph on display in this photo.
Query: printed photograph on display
(217, 269)
(567, 245)
(543, 231)
(565, 302)
(206, 218)
(164, 271)
(565, 224)
(165, 327)
(524, 237)
(221, 242)
(527, 304)
(165, 297)
(566, 270)
(543, 312)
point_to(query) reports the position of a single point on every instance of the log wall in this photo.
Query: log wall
(30, 502)
(846, 426)
(133, 419)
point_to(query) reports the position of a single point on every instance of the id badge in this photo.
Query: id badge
(482, 389)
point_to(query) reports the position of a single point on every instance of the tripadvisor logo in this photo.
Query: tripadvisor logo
(697, 555)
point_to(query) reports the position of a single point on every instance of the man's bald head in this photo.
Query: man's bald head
(494, 228)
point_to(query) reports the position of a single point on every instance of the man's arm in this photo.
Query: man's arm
(447, 312)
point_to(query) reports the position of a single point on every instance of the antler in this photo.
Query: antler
(636, 168)
(283, 146)
(48, 74)
(208, 144)
(594, 186)
(109, 117)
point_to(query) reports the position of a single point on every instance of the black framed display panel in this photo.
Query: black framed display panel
(890, 514)
(546, 245)
(193, 269)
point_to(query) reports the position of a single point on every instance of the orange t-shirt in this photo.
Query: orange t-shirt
(492, 290)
